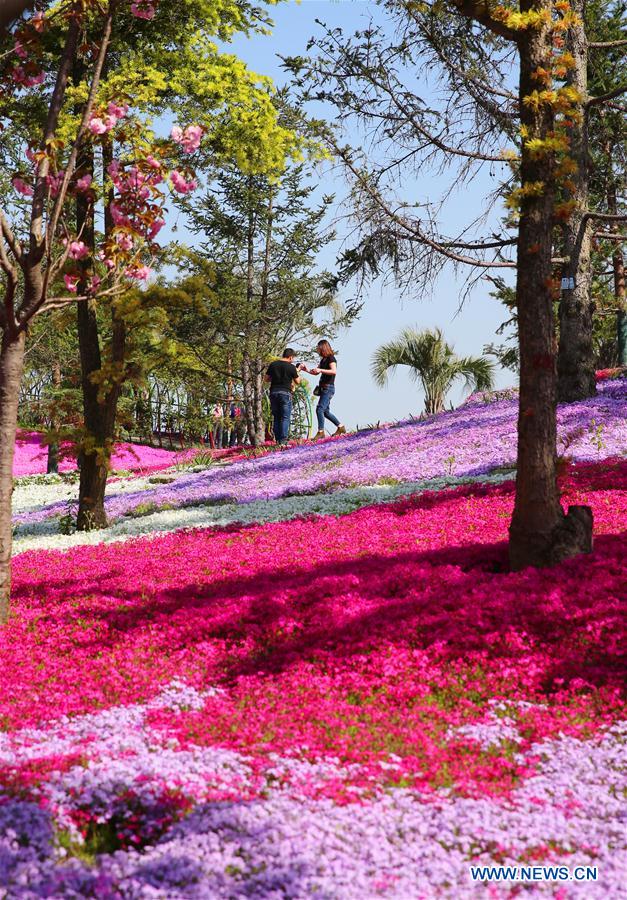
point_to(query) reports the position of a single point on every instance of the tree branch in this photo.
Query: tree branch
(605, 217)
(413, 230)
(479, 11)
(603, 45)
(595, 101)
(610, 236)
(9, 237)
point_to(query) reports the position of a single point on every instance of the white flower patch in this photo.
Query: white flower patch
(45, 535)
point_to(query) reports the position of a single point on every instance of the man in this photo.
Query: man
(283, 376)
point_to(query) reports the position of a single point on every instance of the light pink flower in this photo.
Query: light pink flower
(119, 217)
(124, 241)
(78, 250)
(191, 138)
(139, 273)
(97, 126)
(180, 184)
(71, 283)
(117, 110)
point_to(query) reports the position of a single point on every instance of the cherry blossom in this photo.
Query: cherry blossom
(71, 282)
(84, 183)
(180, 184)
(22, 187)
(188, 139)
(78, 250)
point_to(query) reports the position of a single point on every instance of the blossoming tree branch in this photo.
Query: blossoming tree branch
(93, 149)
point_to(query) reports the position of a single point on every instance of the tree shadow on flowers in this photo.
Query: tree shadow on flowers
(263, 599)
(457, 602)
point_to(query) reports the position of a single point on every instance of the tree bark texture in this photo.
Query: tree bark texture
(618, 266)
(11, 366)
(99, 411)
(540, 533)
(575, 361)
(52, 467)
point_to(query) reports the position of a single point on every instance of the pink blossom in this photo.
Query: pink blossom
(155, 228)
(124, 241)
(78, 250)
(22, 78)
(97, 126)
(118, 215)
(84, 183)
(116, 110)
(95, 283)
(54, 182)
(22, 187)
(189, 139)
(180, 184)
(144, 9)
(20, 50)
(140, 273)
(192, 137)
(71, 282)
(32, 80)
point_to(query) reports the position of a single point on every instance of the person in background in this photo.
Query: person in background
(283, 376)
(327, 369)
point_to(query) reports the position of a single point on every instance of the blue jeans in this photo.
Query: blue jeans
(281, 406)
(322, 409)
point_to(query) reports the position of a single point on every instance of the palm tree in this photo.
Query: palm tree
(433, 363)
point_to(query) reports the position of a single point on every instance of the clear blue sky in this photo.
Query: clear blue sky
(358, 400)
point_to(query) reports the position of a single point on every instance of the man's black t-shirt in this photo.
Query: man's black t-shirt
(281, 374)
(325, 363)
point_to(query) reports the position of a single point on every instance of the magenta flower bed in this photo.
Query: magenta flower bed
(327, 707)
(31, 457)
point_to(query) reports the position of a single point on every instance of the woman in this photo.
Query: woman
(327, 369)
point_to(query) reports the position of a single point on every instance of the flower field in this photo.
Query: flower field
(341, 692)
(31, 455)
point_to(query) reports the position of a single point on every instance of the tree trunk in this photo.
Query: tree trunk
(575, 361)
(93, 454)
(621, 315)
(11, 366)
(618, 265)
(260, 422)
(99, 411)
(248, 396)
(52, 467)
(540, 533)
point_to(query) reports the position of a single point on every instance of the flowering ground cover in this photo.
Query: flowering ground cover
(467, 442)
(329, 707)
(31, 456)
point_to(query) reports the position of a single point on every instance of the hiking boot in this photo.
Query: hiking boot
(340, 430)
(318, 435)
